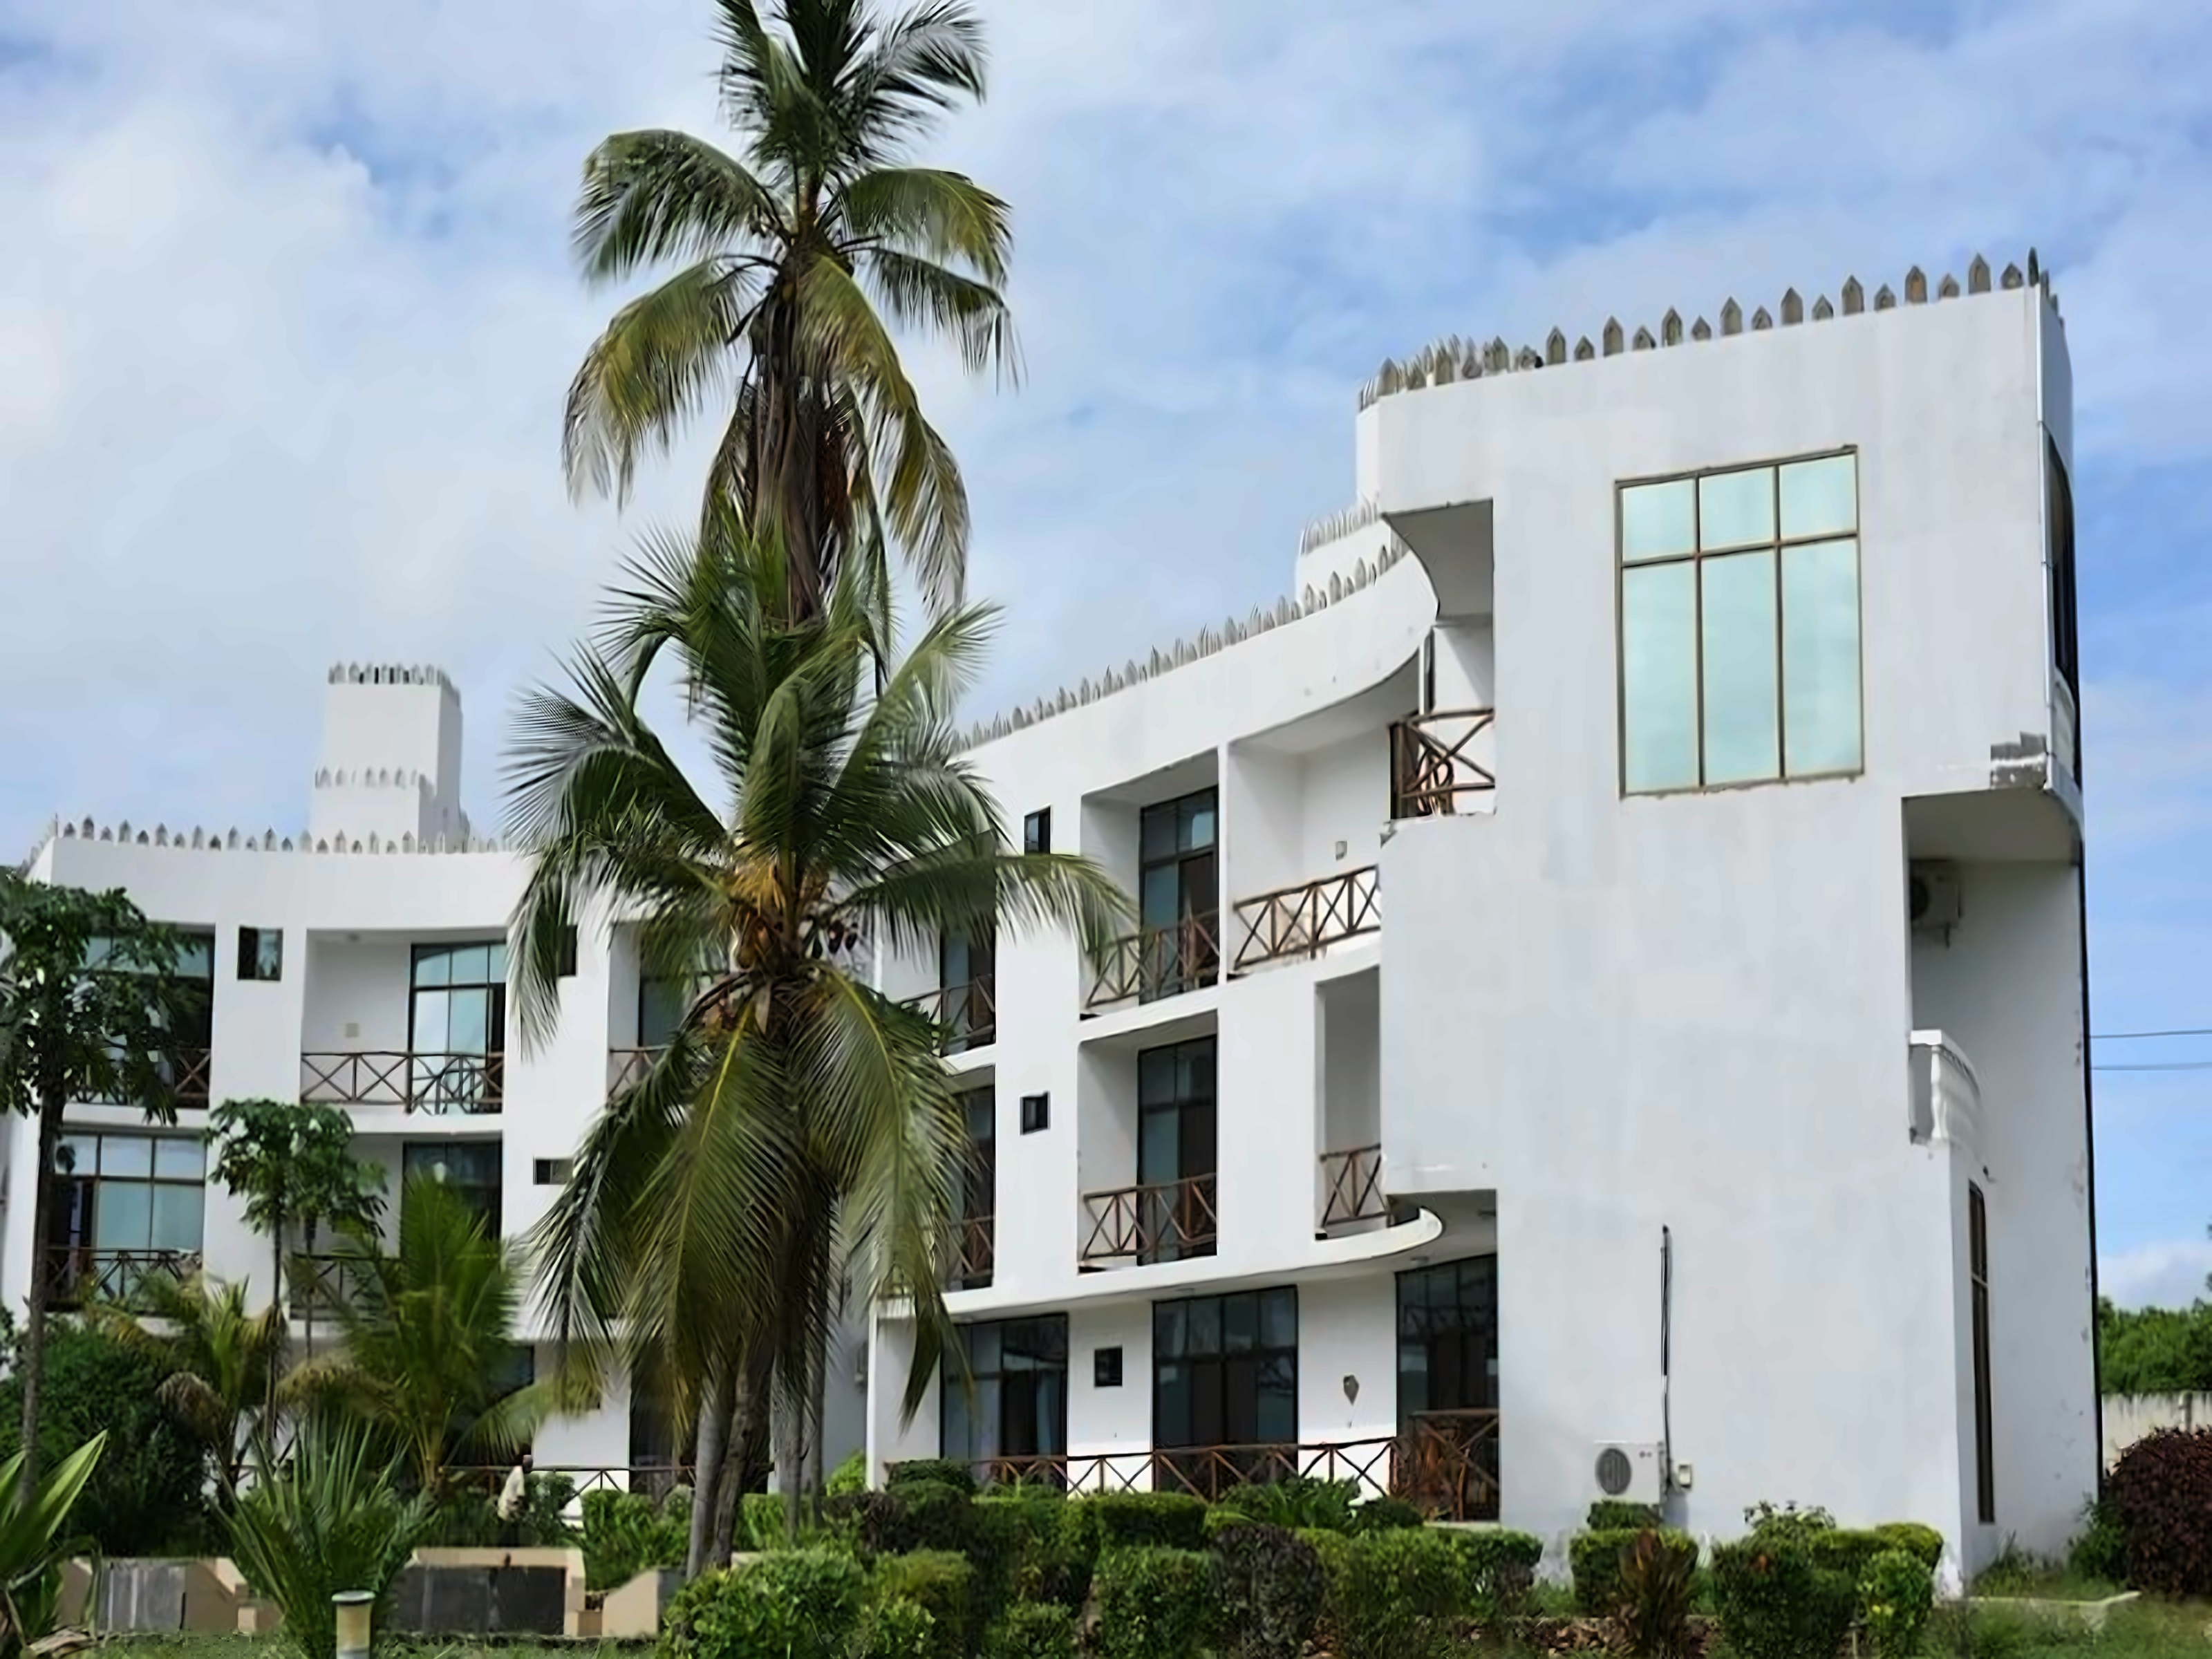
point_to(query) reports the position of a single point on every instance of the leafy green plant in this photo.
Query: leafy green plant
(931, 1471)
(1595, 1558)
(626, 1533)
(1269, 1589)
(1896, 1596)
(32, 1549)
(1775, 1603)
(1386, 1514)
(1297, 1501)
(1032, 1629)
(2160, 1493)
(1396, 1593)
(218, 1358)
(1500, 1571)
(900, 1629)
(944, 1584)
(796, 1604)
(1778, 1520)
(1658, 1573)
(1153, 1602)
(2099, 1550)
(1169, 1520)
(333, 1519)
(1612, 1515)
(849, 1476)
(1924, 1543)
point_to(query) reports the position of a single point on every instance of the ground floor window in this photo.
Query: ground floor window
(471, 1168)
(1448, 1338)
(1225, 1369)
(1012, 1402)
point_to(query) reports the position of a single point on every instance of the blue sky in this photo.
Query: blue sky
(286, 315)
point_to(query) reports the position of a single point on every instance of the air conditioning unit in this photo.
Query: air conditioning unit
(1630, 1472)
(1933, 886)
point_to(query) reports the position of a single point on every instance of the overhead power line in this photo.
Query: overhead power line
(2156, 1066)
(2127, 1036)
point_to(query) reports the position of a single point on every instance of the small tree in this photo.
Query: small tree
(219, 1358)
(89, 1001)
(294, 1167)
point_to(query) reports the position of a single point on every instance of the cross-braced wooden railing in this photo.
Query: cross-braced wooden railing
(1162, 1222)
(1355, 1187)
(1300, 921)
(628, 1067)
(78, 1274)
(1446, 1464)
(184, 1071)
(437, 1085)
(975, 1252)
(654, 1479)
(1433, 769)
(1157, 962)
(968, 1013)
(319, 1283)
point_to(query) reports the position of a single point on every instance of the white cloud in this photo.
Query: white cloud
(2171, 1274)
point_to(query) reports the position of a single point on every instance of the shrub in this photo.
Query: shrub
(1269, 1590)
(1594, 1560)
(1657, 1578)
(1499, 1570)
(2099, 1550)
(1611, 1515)
(1896, 1594)
(1775, 1603)
(1386, 1514)
(920, 1515)
(1032, 1629)
(798, 1604)
(1030, 1545)
(935, 1471)
(942, 1584)
(1397, 1595)
(899, 1629)
(1334, 1551)
(1787, 1521)
(625, 1533)
(2160, 1492)
(1297, 1501)
(849, 1476)
(1924, 1543)
(1164, 1520)
(760, 1519)
(1153, 1602)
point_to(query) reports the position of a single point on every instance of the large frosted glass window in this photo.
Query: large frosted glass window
(1740, 626)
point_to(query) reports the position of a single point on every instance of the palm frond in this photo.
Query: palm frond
(655, 195)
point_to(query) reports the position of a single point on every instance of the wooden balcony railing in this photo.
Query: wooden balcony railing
(968, 1013)
(656, 1479)
(1160, 1223)
(432, 1083)
(318, 1284)
(628, 1067)
(1299, 922)
(1433, 769)
(1445, 1463)
(1354, 1191)
(1157, 962)
(184, 1070)
(975, 1252)
(79, 1274)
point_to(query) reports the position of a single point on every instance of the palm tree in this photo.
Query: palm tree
(799, 1129)
(797, 252)
(220, 1355)
(429, 1354)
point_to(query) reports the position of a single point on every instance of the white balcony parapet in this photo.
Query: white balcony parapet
(1947, 1096)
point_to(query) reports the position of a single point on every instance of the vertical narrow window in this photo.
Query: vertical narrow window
(1740, 626)
(456, 1028)
(261, 953)
(1037, 831)
(1178, 891)
(2065, 620)
(564, 965)
(1977, 1272)
(975, 1252)
(1176, 1150)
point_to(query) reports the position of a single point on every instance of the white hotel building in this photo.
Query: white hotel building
(1609, 1010)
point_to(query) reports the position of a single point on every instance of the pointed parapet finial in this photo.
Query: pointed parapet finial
(1947, 288)
(1916, 287)
(1760, 321)
(2034, 269)
(1584, 351)
(1643, 341)
(1822, 310)
(1793, 307)
(1701, 329)
(1612, 337)
(1731, 317)
(1496, 357)
(1978, 275)
(1555, 347)
(2012, 277)
(1884, 300)
(1854, 297)
(1670, 328)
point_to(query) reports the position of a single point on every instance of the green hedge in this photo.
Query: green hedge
(1396, 1595)
(799, 1604)
(1032, 1629)
(1594, 1560)
(1137, 1519)
(1896, 1593)
(626, 1533)
(1498, 1568)
(900, 1629)
(1153, 1602)
(1776, 1601)
(936, 1471)
(943, 1584)
(1269, 1590)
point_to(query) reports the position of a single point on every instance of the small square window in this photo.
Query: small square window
(1106, 1368)
(565, 967)
(1037, 831)
(261, 953)
(549, 1171)
(1037, 1113)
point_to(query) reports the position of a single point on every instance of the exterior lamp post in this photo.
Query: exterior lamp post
(353, 1609)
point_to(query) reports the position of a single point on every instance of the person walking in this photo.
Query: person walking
(511, 1497)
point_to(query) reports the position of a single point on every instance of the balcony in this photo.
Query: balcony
(184, 1071)
(1947, 1096)
(1145, 1225)
(431, 1084)
(968, 1014)
(628, 1067)
(1351, 1187)
(1303, 920)
(973, 1254)
(1441, 763)
(79, 1274)
(1157, 961)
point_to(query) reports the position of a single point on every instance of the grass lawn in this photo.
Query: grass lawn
(2142, 1630)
